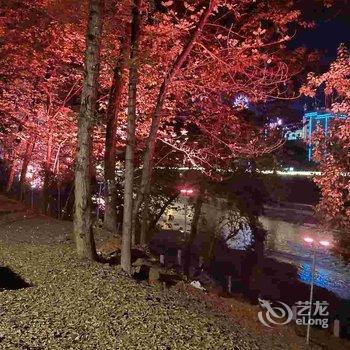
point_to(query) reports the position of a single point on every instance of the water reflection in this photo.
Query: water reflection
(322, 278)
(285, 243)
(241, 241)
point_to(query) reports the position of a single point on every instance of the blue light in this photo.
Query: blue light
(314, 119)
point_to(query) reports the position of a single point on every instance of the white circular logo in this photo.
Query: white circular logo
(275, 315)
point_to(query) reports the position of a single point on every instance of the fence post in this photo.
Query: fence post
(161, 259)
(179, 257)
(200, 262)
(336, 328)
(229, 284)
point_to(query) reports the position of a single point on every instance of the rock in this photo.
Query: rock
(111, 246)
(141, 267)
(197, 284)
(141, 273)
(154, 275)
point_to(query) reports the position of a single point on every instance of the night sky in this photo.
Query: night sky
(332, 27)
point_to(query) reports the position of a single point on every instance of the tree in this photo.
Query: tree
(156, 116)
(195, 58)
(82, 216)
(115, 99)
(115, 63)
(40, 81)
(228, 57)
(130, 142)
(26, 159)
(332, 149)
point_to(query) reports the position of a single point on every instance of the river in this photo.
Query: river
(287, 226)
(285, 242)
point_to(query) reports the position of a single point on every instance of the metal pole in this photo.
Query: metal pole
(311, 293)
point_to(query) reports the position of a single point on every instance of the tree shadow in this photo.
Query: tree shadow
(9, 280)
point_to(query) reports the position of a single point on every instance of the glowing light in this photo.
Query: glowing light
(241, 101)
(276, 123)
(99, 201)
(241, 241)
(289, 172)
(186, 191)
(311, 240)
(33, 178)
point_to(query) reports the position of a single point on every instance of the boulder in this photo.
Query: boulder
(110, 246)
(154, 275)
(140, 267)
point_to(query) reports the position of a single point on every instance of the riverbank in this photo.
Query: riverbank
(70, 304)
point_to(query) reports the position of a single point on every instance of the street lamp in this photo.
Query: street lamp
(186, 191)
(314, 245)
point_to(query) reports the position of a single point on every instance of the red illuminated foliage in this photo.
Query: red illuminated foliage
(194, 56)
(332, 151)
(41, 75)
(43, 63)
(239, 50)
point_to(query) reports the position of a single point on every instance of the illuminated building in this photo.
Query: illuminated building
(314, 119)
(293, 135)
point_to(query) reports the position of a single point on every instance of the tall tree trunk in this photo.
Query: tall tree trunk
(210, 255)
(193, 232)
(110, 217)
(83, 234)
(27, 157)
(47, 173)
(130, 143)
(11, 176)
(152, 138)
(13, 166)
(144, 220)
